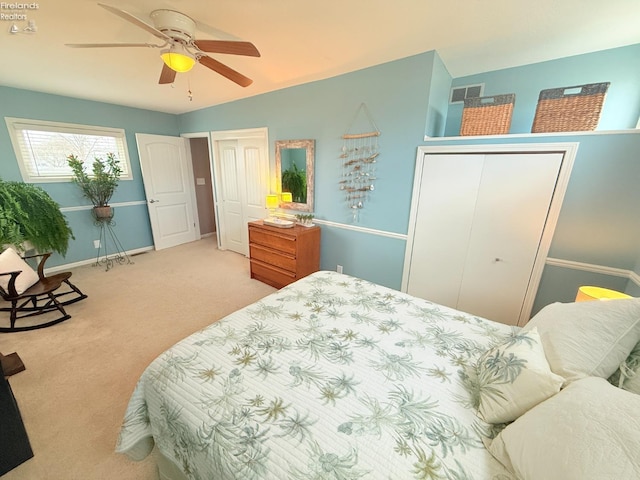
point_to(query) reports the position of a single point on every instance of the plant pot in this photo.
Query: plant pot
(103, 213)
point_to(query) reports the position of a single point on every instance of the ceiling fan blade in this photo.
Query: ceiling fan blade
(228, 46)
(167, 75)
(109, 45)
(136, 21)
(225, 71)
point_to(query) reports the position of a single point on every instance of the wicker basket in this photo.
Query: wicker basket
(487, 115)
(569, 109)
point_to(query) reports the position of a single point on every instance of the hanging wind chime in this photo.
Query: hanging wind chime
(359, 156)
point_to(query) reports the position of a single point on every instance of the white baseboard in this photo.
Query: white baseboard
(67, 266)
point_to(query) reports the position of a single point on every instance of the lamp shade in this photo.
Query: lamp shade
(287, 197)
(178, 59)
(588, 292)
(272, 201)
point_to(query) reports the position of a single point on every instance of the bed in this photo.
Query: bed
(334, 377)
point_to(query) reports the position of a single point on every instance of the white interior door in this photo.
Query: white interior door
(241, 163)
(480, 228)
(166, 173)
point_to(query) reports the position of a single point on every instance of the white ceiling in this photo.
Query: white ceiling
(299, 40)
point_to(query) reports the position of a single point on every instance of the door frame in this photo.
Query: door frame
(193, 188)
(237, 134)
(569, 151)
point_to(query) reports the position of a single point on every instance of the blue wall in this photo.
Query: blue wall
(132, 221)
(620, 67)
(396, 94)
(407, 98)
(598, 223)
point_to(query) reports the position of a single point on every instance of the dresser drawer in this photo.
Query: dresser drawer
(271, 275)
(272, 257)
(273, 240)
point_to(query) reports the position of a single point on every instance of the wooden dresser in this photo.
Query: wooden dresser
(280, 256)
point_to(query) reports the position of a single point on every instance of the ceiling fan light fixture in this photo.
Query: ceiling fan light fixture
(178, 59)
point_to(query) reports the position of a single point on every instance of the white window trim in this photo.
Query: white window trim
(16, 124)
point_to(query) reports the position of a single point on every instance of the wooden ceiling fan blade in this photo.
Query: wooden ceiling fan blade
(111, 45)
(230, 47)
(167, 75)
(136, 21)
(225, 71)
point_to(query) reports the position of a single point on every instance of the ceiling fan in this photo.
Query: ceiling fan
(181, 50)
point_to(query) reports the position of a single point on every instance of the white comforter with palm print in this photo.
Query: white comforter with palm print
(330, 378)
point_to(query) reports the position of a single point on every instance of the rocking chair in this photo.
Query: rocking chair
(39, 298)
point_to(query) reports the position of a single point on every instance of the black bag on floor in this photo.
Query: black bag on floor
(14, 443)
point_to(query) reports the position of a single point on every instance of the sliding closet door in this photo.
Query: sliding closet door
(441, 237)
(510, 215)
(479, 223)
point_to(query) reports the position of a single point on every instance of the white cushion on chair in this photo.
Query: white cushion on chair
(10, 261)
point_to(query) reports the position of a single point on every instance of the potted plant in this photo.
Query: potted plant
(100, 185)
(306, 220)
(28, 215)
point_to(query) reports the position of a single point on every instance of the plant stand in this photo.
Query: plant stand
(108, 235)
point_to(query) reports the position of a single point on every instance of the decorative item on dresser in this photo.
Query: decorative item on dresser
(280, 256)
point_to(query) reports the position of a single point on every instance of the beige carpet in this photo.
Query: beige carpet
(80, 373)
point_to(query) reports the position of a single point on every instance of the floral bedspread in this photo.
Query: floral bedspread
(332, 377)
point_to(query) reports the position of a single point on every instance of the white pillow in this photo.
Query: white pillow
(588, 431)
(10, 261)
(514, 377)
(628, 376)
(632, 384)
(588, 338)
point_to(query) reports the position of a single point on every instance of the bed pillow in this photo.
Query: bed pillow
(10, 261)
(632, 384)
(588, 338)
(628, 375)
(513, 377)
(590, 430)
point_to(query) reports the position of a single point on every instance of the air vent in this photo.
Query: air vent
(458, 94)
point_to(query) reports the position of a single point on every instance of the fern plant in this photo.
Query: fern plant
(294, 180)
(28, 213)
(10, 233)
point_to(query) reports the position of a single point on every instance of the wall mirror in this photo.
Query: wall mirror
(294, 167)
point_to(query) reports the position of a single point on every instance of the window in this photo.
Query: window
(42, 148)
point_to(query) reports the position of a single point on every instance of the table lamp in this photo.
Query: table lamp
(587, 292)
(287, 197)
(272, 203)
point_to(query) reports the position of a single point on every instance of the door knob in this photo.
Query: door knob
(154, 201)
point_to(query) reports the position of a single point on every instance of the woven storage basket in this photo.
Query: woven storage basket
(487, 115)
(569, 109)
